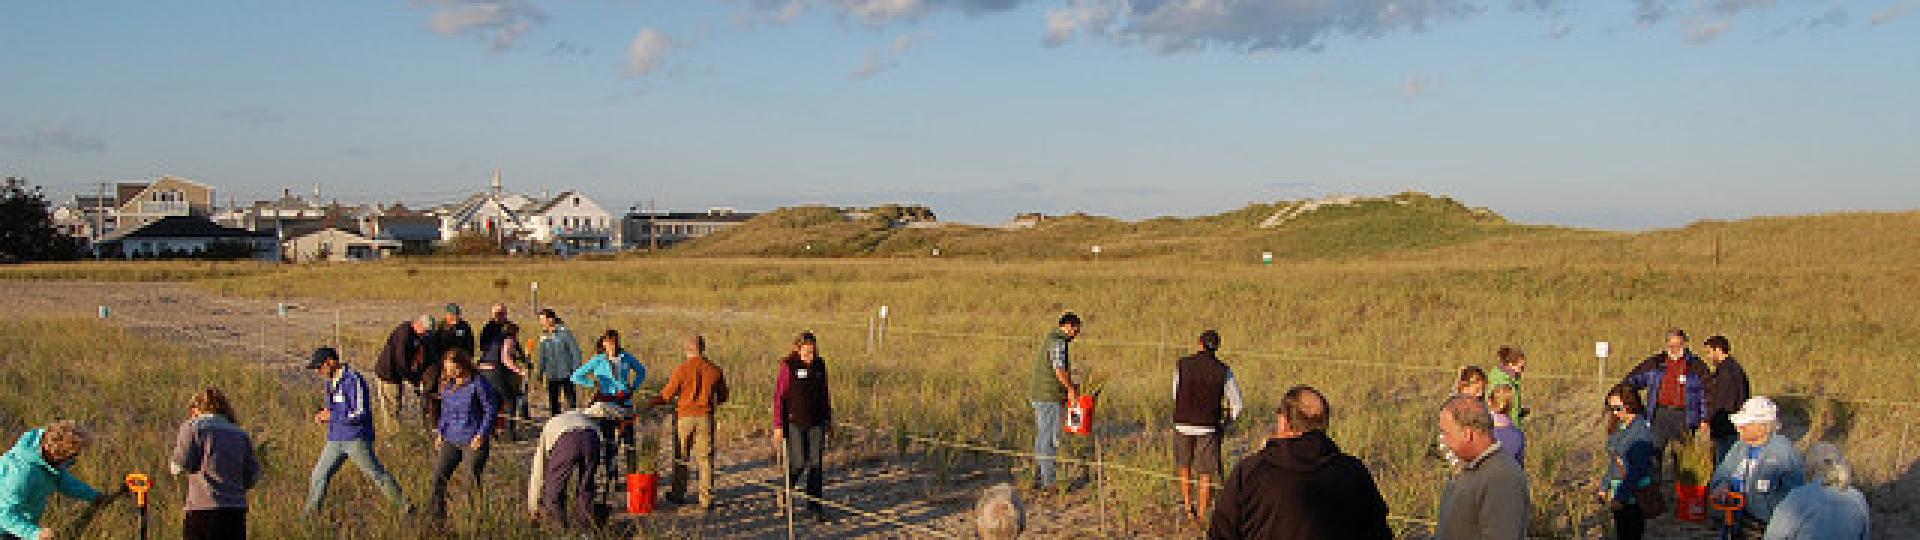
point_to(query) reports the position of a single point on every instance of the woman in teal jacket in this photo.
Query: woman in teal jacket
(34, 470)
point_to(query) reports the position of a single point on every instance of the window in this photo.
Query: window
(576, 202)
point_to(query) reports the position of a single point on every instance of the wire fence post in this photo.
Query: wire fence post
(1905, 429)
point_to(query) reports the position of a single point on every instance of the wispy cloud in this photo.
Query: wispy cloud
(53, 138)
(499, 22)
(888, 57)
(1897, 11)
(1418, 85)
(1705, 31)
(1250, 27)
(647, 52)
(253, 116)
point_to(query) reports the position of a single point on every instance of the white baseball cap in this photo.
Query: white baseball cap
(1756, 410)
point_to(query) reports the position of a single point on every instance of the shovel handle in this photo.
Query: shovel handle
(139, 484)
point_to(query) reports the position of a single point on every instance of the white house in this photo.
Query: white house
(333, 244)
(189, 236)
(493, 213)
(573, 223)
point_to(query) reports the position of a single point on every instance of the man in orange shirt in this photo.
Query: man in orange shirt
(696, 388)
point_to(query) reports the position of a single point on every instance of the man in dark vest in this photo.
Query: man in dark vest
(1050, 388)
(452, 333)
(1200, 382)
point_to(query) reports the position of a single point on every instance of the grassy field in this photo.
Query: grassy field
(1819, 309)
(133, 394)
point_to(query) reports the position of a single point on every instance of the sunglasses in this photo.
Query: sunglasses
(1616, 408)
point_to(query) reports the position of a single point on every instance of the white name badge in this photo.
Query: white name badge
(337, 398)
(800, 373)
(1763, 485)
(1683, 379)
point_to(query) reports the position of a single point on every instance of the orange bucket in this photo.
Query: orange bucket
(1080, 416)
(640, 489)
(1690, 503)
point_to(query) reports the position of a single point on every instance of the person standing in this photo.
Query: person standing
(217, 457)
(503, 367)
(36, 468)
(1676, 391)
(614, 375)
(803, 417)
(1630, 460)
(494, 330)
(467, 409)
(453, 334)
(1200, 383)
(1511, 363)
(1762, 466)
(1727, 390)
(1500, 403)
(559, 357)
(1826, 508)
(1486, 499)
(560, 485)
(696, 388)
(1050, 388)
(349, 420)
(399, 363)
(1301, 485)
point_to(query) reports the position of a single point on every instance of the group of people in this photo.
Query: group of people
(1299, 484)
(1778, 492)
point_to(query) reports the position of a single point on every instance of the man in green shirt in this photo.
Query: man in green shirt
(1050, 387)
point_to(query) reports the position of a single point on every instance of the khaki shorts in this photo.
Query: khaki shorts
(1201, 453)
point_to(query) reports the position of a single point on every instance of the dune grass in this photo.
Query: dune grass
(1816, 316)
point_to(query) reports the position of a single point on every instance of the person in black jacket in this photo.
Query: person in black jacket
(1301, 486)
(803, 417)
(406, 348)
(453, 333)
(1727, 390)
(1200, 383)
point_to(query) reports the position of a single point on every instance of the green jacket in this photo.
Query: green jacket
(1497, 377)
(27, 480)
(1055, 352)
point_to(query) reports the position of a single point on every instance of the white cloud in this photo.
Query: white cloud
(647, 52)
(1090, 16)
(888, 57)
(499, 22)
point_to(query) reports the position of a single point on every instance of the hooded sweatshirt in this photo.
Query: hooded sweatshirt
(27, 480)
(1300, 488)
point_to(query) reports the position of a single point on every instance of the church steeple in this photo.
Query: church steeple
(496, 182)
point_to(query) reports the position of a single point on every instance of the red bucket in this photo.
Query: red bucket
(1690, 503)
(640, 489)
(1080, 416)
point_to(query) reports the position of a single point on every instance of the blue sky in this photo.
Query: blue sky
(1627, 115)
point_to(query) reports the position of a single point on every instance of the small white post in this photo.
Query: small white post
(883, 328)
(105, 312)
(1096, 251)
(1601, 350)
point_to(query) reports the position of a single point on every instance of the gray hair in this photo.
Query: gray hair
(1470, 413)
(424, 320)
(1826, 465)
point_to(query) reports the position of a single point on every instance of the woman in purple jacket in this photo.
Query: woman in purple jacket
(467, 408)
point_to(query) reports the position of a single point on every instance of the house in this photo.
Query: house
(333, 244)
(188, 236)
(416, 231)
(492, 213)
(287, 213)
(168, 196)
(573, 223)
(662, 229)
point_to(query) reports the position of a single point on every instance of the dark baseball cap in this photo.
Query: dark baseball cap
(321, 356)
(453, 308)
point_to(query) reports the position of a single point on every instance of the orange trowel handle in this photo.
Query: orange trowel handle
(139, 484)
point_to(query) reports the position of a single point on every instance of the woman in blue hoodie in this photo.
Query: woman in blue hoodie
(467, 408)
(35, 469)
(1630, 456)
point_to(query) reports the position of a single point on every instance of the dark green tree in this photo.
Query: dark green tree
(26, 227)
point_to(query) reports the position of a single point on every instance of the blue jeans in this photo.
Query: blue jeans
(361, 452)
(1046, 439)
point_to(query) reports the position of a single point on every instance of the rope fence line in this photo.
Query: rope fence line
(874, 516)
(1323, 358)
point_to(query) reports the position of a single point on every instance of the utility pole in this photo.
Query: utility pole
(653, 228)
(99, 218)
